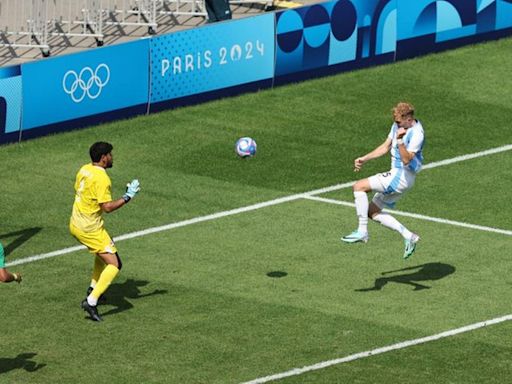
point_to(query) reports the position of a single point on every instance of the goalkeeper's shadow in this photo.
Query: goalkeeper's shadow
(120, 295)
(21, 361)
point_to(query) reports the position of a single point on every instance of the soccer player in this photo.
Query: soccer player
(5, 275)
(405, 141)
(92, 198)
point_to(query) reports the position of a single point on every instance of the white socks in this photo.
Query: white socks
(361, 200)
(389, 221)
(92, 301)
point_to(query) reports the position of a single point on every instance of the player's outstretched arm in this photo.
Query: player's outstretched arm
(377, 152)
(7, 277)
(132, 188)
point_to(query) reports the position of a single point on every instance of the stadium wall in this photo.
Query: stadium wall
(233, 57)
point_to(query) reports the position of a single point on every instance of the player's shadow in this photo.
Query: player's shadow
(423, 272)
(118, 295)
(20, 237)
(22, 361)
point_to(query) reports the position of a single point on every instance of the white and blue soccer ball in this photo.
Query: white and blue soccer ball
(245, 147)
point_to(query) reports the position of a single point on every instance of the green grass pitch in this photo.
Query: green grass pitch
(196, 304)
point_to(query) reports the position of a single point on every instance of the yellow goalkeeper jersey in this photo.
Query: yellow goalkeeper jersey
(92, 187)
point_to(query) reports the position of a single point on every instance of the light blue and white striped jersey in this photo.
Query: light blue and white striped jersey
(413, 140)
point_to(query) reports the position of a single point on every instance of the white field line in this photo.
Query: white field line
(249, 208)
(470, 156)
(418, 216)
(378, 351)
(162, 228)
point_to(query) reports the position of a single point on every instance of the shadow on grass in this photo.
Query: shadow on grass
(118, 295)
(22, 361)
(20, 237)
(423, 272)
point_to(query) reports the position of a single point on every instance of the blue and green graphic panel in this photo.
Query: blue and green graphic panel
(334, 33)
(432, 25)
(440, 19)
(494, 15)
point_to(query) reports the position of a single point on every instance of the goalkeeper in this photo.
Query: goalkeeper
(5, 275)
(92, 198)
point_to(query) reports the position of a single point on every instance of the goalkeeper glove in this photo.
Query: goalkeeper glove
(131, 190)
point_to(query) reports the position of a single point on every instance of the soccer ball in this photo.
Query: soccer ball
(245, 147)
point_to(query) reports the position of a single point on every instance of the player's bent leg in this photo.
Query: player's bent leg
(362, 185)
(381, 200)
(373, 209)
(119, 262)
(99, 265)
(360, 189)
(108, 274)
(410, 245)
(105, 270)
(356, 237)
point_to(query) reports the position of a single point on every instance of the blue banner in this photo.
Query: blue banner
(427, 26)
(444, 20)
(10, 99)
(231, 57)
(334, 33)
(85, 84)
(212, 57)
(502, 16)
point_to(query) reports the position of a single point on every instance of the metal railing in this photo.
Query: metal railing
(183, 7)
(32, 23)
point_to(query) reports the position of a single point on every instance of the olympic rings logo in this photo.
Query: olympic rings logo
(86, 83)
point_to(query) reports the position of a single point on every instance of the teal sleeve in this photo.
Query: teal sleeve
(2, 257)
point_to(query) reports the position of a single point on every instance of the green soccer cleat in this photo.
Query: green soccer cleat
(410, 245)
(356, 237)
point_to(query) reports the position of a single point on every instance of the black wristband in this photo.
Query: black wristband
(126, 198)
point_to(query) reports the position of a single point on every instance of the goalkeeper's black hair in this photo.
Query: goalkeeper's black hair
(99, 149)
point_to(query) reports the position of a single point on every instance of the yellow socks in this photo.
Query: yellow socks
(107, 276)
(99, 266)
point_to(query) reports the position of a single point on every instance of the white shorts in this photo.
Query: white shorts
(390, 186)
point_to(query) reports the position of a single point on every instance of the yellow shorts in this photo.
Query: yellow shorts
(96, 242)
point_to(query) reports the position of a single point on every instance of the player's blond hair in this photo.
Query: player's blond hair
(403, 110)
